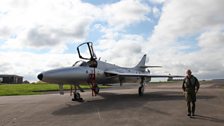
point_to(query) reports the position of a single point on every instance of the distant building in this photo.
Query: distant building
(11, 79)
(171, 79)
(26, 82)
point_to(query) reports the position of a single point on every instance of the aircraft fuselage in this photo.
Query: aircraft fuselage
(79, 74)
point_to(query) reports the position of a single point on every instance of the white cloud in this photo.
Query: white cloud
(184, 19)
(125, 13)
(46, 23)
(29, 64)
(158, 1)
(124, 50)
(30, 24)
(212, 41)
(156, 11)
(52, 24)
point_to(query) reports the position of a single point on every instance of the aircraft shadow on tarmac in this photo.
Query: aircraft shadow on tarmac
(212, 119)
(112, 101)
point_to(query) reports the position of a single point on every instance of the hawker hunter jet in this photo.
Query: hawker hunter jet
(92, 71)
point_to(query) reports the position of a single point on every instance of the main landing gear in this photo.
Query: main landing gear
(142, 87)
(141, 90)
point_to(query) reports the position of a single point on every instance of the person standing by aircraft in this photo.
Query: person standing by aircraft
(190, 87)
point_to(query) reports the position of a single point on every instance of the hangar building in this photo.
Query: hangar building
(11, 79)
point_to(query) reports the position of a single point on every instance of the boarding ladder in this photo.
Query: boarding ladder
(92, 82)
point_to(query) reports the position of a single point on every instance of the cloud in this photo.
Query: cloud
(29, 64)
(184, 18)
(124, 50)
(4, 32)
(125, 13)
(158, 1)
(212, 41)
(38, 38)
(156, 11)
(50, 23)
(200, 22)
(43, 23)
(188, 34)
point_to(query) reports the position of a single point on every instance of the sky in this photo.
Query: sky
(38, 35)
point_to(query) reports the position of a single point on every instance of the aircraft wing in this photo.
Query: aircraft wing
(150, 66)
(115, 73)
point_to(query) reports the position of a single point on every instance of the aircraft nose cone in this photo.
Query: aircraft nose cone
(40, 76)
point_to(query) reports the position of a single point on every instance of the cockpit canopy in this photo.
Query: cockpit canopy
(80, 63)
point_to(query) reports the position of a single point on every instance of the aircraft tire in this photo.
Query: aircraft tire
(141, 90)
(77, 96)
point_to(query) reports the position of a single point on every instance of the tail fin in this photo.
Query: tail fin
(141, 63)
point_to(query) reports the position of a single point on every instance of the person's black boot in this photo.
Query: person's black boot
(189, 114)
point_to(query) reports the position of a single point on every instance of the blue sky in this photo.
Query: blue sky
(39, 35)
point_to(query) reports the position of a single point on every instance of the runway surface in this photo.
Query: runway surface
(162, 105)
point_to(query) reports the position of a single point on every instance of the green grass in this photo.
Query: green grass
(32, 89)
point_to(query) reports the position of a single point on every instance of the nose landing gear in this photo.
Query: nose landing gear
(76, 95)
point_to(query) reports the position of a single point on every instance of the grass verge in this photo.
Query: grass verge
(32, 89)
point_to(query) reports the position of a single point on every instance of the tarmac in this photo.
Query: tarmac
(163, 104)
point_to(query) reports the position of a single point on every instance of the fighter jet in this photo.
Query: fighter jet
(94, 72)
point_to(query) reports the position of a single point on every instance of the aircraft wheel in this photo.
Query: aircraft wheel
(76, 97)
(141, 90)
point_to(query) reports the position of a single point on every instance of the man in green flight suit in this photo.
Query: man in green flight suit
(190, 87)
